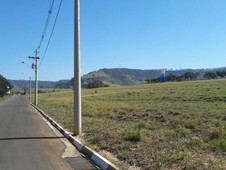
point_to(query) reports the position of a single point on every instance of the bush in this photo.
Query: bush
(41, 91)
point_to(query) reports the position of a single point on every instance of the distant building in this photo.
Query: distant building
(163, 75)
(8, 92)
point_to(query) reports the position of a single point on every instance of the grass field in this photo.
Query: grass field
(153, 126)
(2, 99)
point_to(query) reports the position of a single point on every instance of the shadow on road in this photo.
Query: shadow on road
(30, 138)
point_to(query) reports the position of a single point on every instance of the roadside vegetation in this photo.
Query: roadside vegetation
(5, 86)
(178, 125)
(2, 99)
(188, 76)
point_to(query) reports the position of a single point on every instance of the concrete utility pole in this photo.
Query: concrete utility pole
(77, 77)
(36, 75)
(29, 80)
(30, 88)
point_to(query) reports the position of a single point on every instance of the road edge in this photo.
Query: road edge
(93, 156)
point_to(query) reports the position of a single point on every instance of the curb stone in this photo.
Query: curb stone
(93, 156)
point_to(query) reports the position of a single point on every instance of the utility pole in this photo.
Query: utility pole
(29, 91)
(36, 75)
(30, 88)
(77, 77)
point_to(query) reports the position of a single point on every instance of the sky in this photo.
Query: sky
(139, 34)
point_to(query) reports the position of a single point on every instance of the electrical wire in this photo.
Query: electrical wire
(50, 37)
(46, 23)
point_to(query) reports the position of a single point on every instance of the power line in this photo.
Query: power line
(58, 11)
(46, 23)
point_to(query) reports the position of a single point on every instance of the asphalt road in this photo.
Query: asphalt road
(27, 142)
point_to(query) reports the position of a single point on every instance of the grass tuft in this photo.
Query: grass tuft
(132, 134)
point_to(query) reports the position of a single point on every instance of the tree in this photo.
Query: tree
(4, 86)
(148, 81)
(96, 84)
(171, 77)
(190, 76)
(210, 75)
(221, 73)
(155, 80)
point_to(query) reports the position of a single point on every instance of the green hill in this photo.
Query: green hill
(115, 77)
(25, 83)
(125, 76)
(120, 76)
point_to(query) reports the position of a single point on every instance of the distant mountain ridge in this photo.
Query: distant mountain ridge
(115, 77)
(125, 76)
(44, 84)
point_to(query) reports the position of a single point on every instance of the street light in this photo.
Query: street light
(30, 88)
(26, 64)
(29, 80)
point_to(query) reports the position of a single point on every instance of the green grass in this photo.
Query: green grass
(2, 99)
(154, 126)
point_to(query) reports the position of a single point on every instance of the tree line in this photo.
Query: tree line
(188, 76)
(92, 83)
(5, 86)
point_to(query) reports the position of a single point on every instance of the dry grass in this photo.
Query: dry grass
(155, 126)
(2, 99)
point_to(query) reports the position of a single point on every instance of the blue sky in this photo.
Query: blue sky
(140, 34)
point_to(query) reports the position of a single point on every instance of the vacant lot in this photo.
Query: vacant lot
(155, 126)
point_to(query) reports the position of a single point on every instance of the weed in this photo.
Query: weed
(192, 124)
(218, 144)
(124, 155)
(132, 134)
(217, 133)
(141, 125)
(194, 143)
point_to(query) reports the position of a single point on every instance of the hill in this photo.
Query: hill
(115, 77)
(25, 83)
(125, 76)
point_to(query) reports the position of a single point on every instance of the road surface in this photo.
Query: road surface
(28, 143)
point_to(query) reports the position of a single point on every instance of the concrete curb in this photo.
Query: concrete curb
(94, 157)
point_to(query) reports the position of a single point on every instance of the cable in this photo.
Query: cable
(51, 33)
(46, 23)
